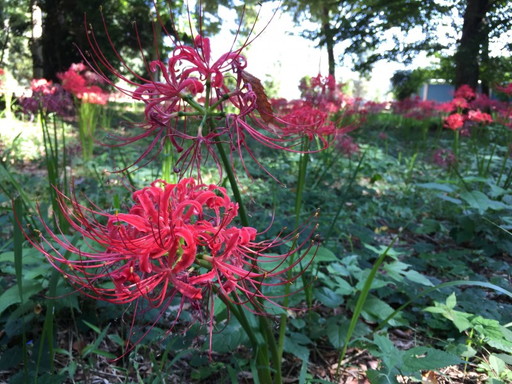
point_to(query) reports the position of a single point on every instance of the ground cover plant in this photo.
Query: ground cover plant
(196, 230)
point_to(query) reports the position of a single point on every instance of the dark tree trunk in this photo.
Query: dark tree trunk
(63, 31)
(328, 35)
(474, 38)
(36, 47)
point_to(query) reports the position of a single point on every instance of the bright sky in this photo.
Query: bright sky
(280, 53)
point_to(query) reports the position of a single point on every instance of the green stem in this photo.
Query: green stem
(342, 200)
(361, 300)
(264, 324)
(167, 161)
(244, 219)
(18, 267)
(303, 165)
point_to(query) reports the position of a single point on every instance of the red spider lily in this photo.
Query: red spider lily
(308, 120)
(506, 89)
(176, 239)
(76, 81)
(47, 97)
(454, 121)
(444, 158)
(479, 117)
(227, 103)
(346, 145)
(465, 92)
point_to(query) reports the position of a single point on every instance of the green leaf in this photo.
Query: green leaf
(481, 202)
(375, 309)
(328, 297)
(424, 358)
(438, 187)
(379, 377)
(391, 356)
(497, 364)
(296, 346)
(417, 277)
(324, 255)
(12, 296)
(451, 301)
(229, 339)
(398, 270)
(336, 333)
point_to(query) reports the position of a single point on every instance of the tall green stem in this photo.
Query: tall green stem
(167, 162)
(301, 181)
(266, 329)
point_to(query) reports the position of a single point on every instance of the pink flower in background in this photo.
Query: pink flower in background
(454, 121)
(47, 97)
(72, 81)
(94, 95)
(346, 145)
(479, 117)
(444, 158)
(75, 81)
(507, 89)
(304, 119)
(465, 92)
(459, 103)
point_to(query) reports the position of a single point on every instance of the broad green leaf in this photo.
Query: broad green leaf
(375, 309)
(328, 297)
(451, 301)
(438, 187)
(481, 202)
(424, 358)
(324, 255)
(336, 332)
(391, 356)
(497, 364)
(379, 377)
(12, 296)
(417, 277)
(229, 338)
(342, 287)
(296, 346)
(450, 199)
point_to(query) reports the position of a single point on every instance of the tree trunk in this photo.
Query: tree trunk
(474, 37)
(329, 38)
(63, 31)
(36, 47)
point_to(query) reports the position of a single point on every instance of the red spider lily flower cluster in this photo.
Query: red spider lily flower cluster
(226, 102)
(308, 120)
(176, 239)
(48, 97)
(322, 111)
(444, 158)
(506, 89)
(346, 145)
(464, 110)
(454, 121)
(80, 81)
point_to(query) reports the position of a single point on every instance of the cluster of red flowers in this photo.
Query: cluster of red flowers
(179, 240)
(444, 158)
(463, 113)
(80, 81)
(323, 111)
(228, 103)
(175, 239)
(48, 97)
(415, 108)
